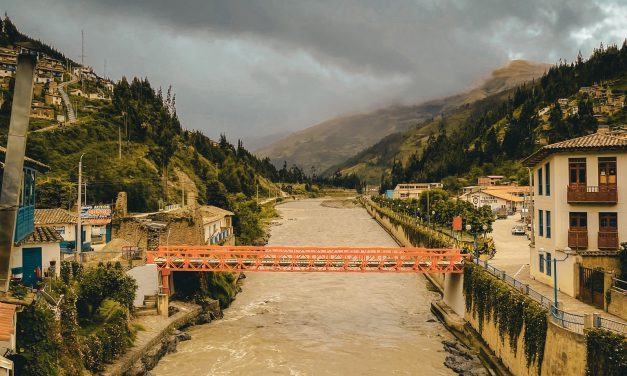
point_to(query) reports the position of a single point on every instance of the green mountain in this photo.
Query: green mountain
(160, 161)
(491, 135)
(331, 142)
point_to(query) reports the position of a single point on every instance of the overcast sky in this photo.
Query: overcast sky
(260, 67)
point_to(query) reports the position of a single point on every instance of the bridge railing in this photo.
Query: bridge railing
(572, 321)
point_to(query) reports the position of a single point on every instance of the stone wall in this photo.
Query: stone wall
(618, 305)
(607, 263)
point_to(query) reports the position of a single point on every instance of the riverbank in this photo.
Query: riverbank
(473, 356)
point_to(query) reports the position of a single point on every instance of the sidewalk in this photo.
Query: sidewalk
(512, 257)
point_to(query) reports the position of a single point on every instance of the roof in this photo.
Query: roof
(54, 216)
(213, 213)
(504, 195)
(592, 142)
(28, 161)
(7, 321)
(43, 234)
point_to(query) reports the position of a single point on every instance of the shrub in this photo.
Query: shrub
(102, 282)
(606, 353)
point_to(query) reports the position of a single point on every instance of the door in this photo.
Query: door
(31, 260)
(607, 173)
(591, 286)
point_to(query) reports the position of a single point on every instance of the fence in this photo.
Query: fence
(619, 285)
(569, 320)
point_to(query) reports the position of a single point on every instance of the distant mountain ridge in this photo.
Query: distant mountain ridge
(336, 140)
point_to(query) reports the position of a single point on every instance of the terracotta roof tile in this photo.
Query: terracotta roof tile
(43, 234)
(54, 216)
(591, 142)
(7, 323)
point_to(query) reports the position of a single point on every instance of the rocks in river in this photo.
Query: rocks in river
(462, 360)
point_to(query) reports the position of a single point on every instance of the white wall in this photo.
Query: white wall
(147, 278)
(49, 252)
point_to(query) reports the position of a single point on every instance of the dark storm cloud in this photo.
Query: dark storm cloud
(260, 66)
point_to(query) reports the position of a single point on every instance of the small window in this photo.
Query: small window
(540, 181)
(541, 263)
(548, 224)
(548, 264)
(540, 223)
(578, 220)
(547, 173)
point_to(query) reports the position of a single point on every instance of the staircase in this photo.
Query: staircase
(149, 308)
(71, 115)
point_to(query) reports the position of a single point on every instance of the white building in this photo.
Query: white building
(41, 249)
(217, 224)
(580, 208)
(413, 190)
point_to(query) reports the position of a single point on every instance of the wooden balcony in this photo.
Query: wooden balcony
(608, 239)
(604, 194)
(578, 238)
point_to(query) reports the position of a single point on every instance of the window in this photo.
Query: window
(540, 223)
(540, 181)
(607, 171)
(608, 222)
(548, 263)
(547, 173)
(541, 264)
(548, 224)
(577, 171)
(578, 220)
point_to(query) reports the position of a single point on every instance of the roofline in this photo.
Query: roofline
(541, 154)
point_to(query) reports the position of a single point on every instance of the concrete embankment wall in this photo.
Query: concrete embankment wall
(565, 351)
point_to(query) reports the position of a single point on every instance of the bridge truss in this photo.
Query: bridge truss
(306, 259)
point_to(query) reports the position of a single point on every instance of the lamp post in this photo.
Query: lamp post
(432, 214)
(474, 233)
(568, 252)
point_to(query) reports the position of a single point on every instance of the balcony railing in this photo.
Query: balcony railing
(608, 239)
(25, 222)
(578, 238)
(603, 194)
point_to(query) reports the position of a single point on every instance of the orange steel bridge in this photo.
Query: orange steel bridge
(304, 259)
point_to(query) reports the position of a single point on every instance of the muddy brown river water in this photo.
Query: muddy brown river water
(320, 323)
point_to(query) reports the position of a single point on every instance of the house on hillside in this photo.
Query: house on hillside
(217, 224)
(36, 249)
(40, 111)
(490, 180)
(580, 212)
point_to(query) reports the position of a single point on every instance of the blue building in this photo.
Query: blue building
(36, 248)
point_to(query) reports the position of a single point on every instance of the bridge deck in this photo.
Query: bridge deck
(306, 259)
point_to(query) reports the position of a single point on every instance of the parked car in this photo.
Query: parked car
(518, 230)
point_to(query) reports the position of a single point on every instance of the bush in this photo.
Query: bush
(606, 353)
(102, 282)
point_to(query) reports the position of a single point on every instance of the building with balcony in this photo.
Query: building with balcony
(217, 225)
(36, 249)
(579, 207)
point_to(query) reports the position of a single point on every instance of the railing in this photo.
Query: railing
(571, 321)
(577, 193)
(616, 326)
(578, 238)
(619, 285)
(568, 320)
(220, 237)
(608, 239)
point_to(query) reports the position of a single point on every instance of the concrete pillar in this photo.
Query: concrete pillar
(163, 302)
(454, 292)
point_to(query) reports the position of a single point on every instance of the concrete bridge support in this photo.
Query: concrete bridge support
(454, 292)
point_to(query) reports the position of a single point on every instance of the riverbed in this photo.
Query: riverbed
(320, 323)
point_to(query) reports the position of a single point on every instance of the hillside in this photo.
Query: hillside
(490, 136)
(334, 141)
(159, 161)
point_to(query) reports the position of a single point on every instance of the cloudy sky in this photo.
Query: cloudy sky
(264, 67)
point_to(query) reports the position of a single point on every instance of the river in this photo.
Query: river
(320, 323)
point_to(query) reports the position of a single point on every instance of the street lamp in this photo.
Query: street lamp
(432, 214)
(474, 234)
(568, 252)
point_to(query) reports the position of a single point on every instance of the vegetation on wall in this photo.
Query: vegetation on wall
(72, 340)
(198, 286)
(606, 353)
(489, 299)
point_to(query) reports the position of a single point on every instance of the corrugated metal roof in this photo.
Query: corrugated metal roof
(592, 142)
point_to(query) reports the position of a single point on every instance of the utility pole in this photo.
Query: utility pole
(79, 230)
(257, 186)
(82, 58)
(182, 194)
(119, 142)
(85, 193)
